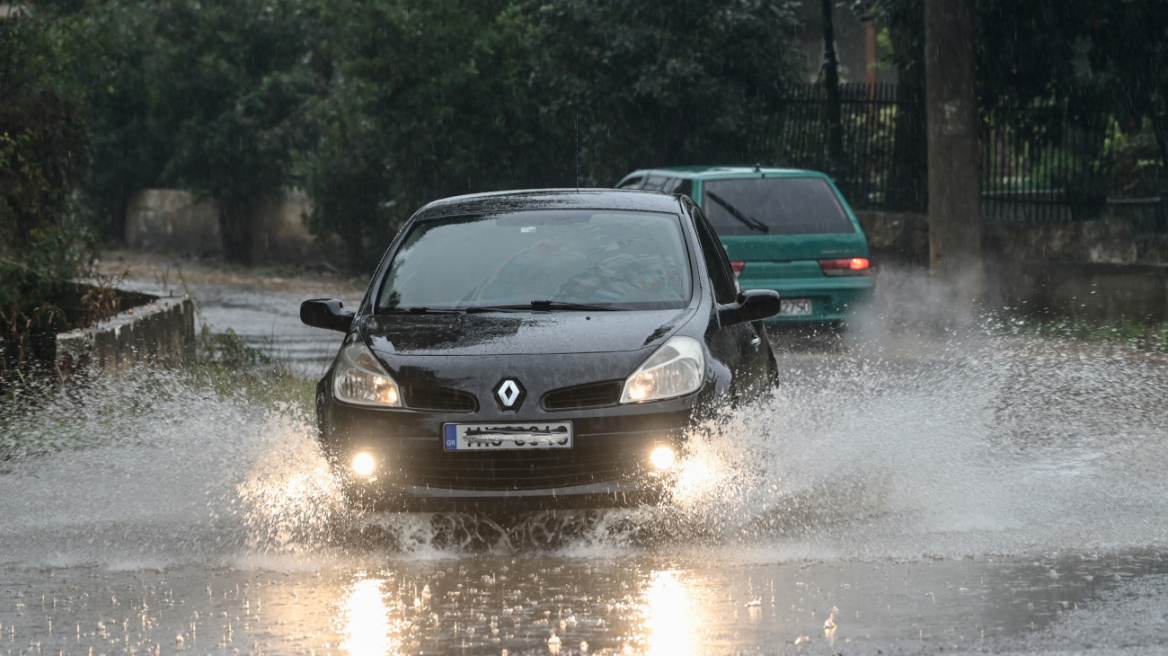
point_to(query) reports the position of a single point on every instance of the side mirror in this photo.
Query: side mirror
(327, 313)
(751, 305)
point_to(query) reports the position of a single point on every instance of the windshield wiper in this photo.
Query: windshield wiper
(561, 305)
(425, 310)
(749, 222)
(539, 305)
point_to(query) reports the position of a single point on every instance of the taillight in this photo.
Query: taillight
(849, 266)
(738, 267)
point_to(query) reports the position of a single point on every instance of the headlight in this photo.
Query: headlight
(675, 369)
(360, 378)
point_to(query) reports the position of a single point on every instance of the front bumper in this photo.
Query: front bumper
(412, 498)
(608, 465)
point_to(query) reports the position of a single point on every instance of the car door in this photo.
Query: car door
(739, 346)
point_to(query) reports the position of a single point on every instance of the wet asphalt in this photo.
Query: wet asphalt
(899, 493)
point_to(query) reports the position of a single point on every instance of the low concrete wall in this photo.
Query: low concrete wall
(1108, 268)
(170, 221)
(159, 332)
(1083, 290)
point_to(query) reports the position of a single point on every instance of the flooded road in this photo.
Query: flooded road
(897, 494)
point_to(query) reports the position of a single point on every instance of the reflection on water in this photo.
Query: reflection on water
(670, 622)
(719, 603)
(367, 627)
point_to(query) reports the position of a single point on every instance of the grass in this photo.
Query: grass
(1149, 336)
(233, 369)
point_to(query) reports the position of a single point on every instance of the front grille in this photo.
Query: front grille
(598, 460)
(422, 397)
(593, 395)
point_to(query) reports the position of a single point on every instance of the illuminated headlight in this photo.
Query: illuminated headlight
(663, 457)
(675, 369)
(359, 378)
(364, 464)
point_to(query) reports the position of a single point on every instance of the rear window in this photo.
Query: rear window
(774, 206)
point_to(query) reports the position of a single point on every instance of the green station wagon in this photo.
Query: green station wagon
(784, 229)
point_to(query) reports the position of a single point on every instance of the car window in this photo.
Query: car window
(774, 206)
(655, 183)
(620, 260)
(630, 183)
(681, 186)
(717, 263)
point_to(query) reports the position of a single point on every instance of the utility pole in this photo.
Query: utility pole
(830, 77)
(954, 153)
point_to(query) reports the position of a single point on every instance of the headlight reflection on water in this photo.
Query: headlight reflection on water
(367, 629)
(670, 617)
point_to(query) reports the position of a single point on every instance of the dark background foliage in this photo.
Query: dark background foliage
(375, 107)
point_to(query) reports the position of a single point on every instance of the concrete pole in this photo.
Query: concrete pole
(955, 230)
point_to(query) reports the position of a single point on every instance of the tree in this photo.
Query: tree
(829, 74)
(435, 99)
(229, 81)
(43, 155)
(130, 147)
(687, 82)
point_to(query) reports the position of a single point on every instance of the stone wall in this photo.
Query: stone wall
(1112, 267)
(158, 331)
(279, 234)
(171, 221)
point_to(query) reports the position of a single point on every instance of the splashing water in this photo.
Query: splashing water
(960, 446)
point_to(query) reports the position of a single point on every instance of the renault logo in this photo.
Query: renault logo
(509, 394)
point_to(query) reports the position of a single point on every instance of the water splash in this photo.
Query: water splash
(964, 444)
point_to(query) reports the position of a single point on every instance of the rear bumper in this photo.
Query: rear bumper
(833, 300)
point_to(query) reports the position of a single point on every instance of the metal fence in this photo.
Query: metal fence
(881, 162)
(1039, 165)
(1047, 165)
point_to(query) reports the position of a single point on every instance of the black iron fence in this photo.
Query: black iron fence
(1039, 165)
(1048, 165)
(880, 157)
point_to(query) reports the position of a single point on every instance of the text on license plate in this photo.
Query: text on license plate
(488, 437)
(795, 306)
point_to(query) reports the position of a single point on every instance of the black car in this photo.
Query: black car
(537, 349)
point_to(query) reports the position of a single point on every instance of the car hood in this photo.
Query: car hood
(520, 333)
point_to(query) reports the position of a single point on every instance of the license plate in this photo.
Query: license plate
(508, 437)
(795, 306)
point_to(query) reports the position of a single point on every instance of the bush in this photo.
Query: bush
(44, 246)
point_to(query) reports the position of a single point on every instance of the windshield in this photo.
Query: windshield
(610, 259)
(774, 206)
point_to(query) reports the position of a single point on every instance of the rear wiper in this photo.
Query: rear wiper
(539, 305)
(751, 223)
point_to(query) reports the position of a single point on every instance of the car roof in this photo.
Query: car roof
(552, 199)
(709, 172)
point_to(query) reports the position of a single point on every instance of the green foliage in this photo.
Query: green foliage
(230, 79)
(436, 99)
(227, 350)
(128, 145)
(1143, 335)
(677, 83)
(43, 139)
